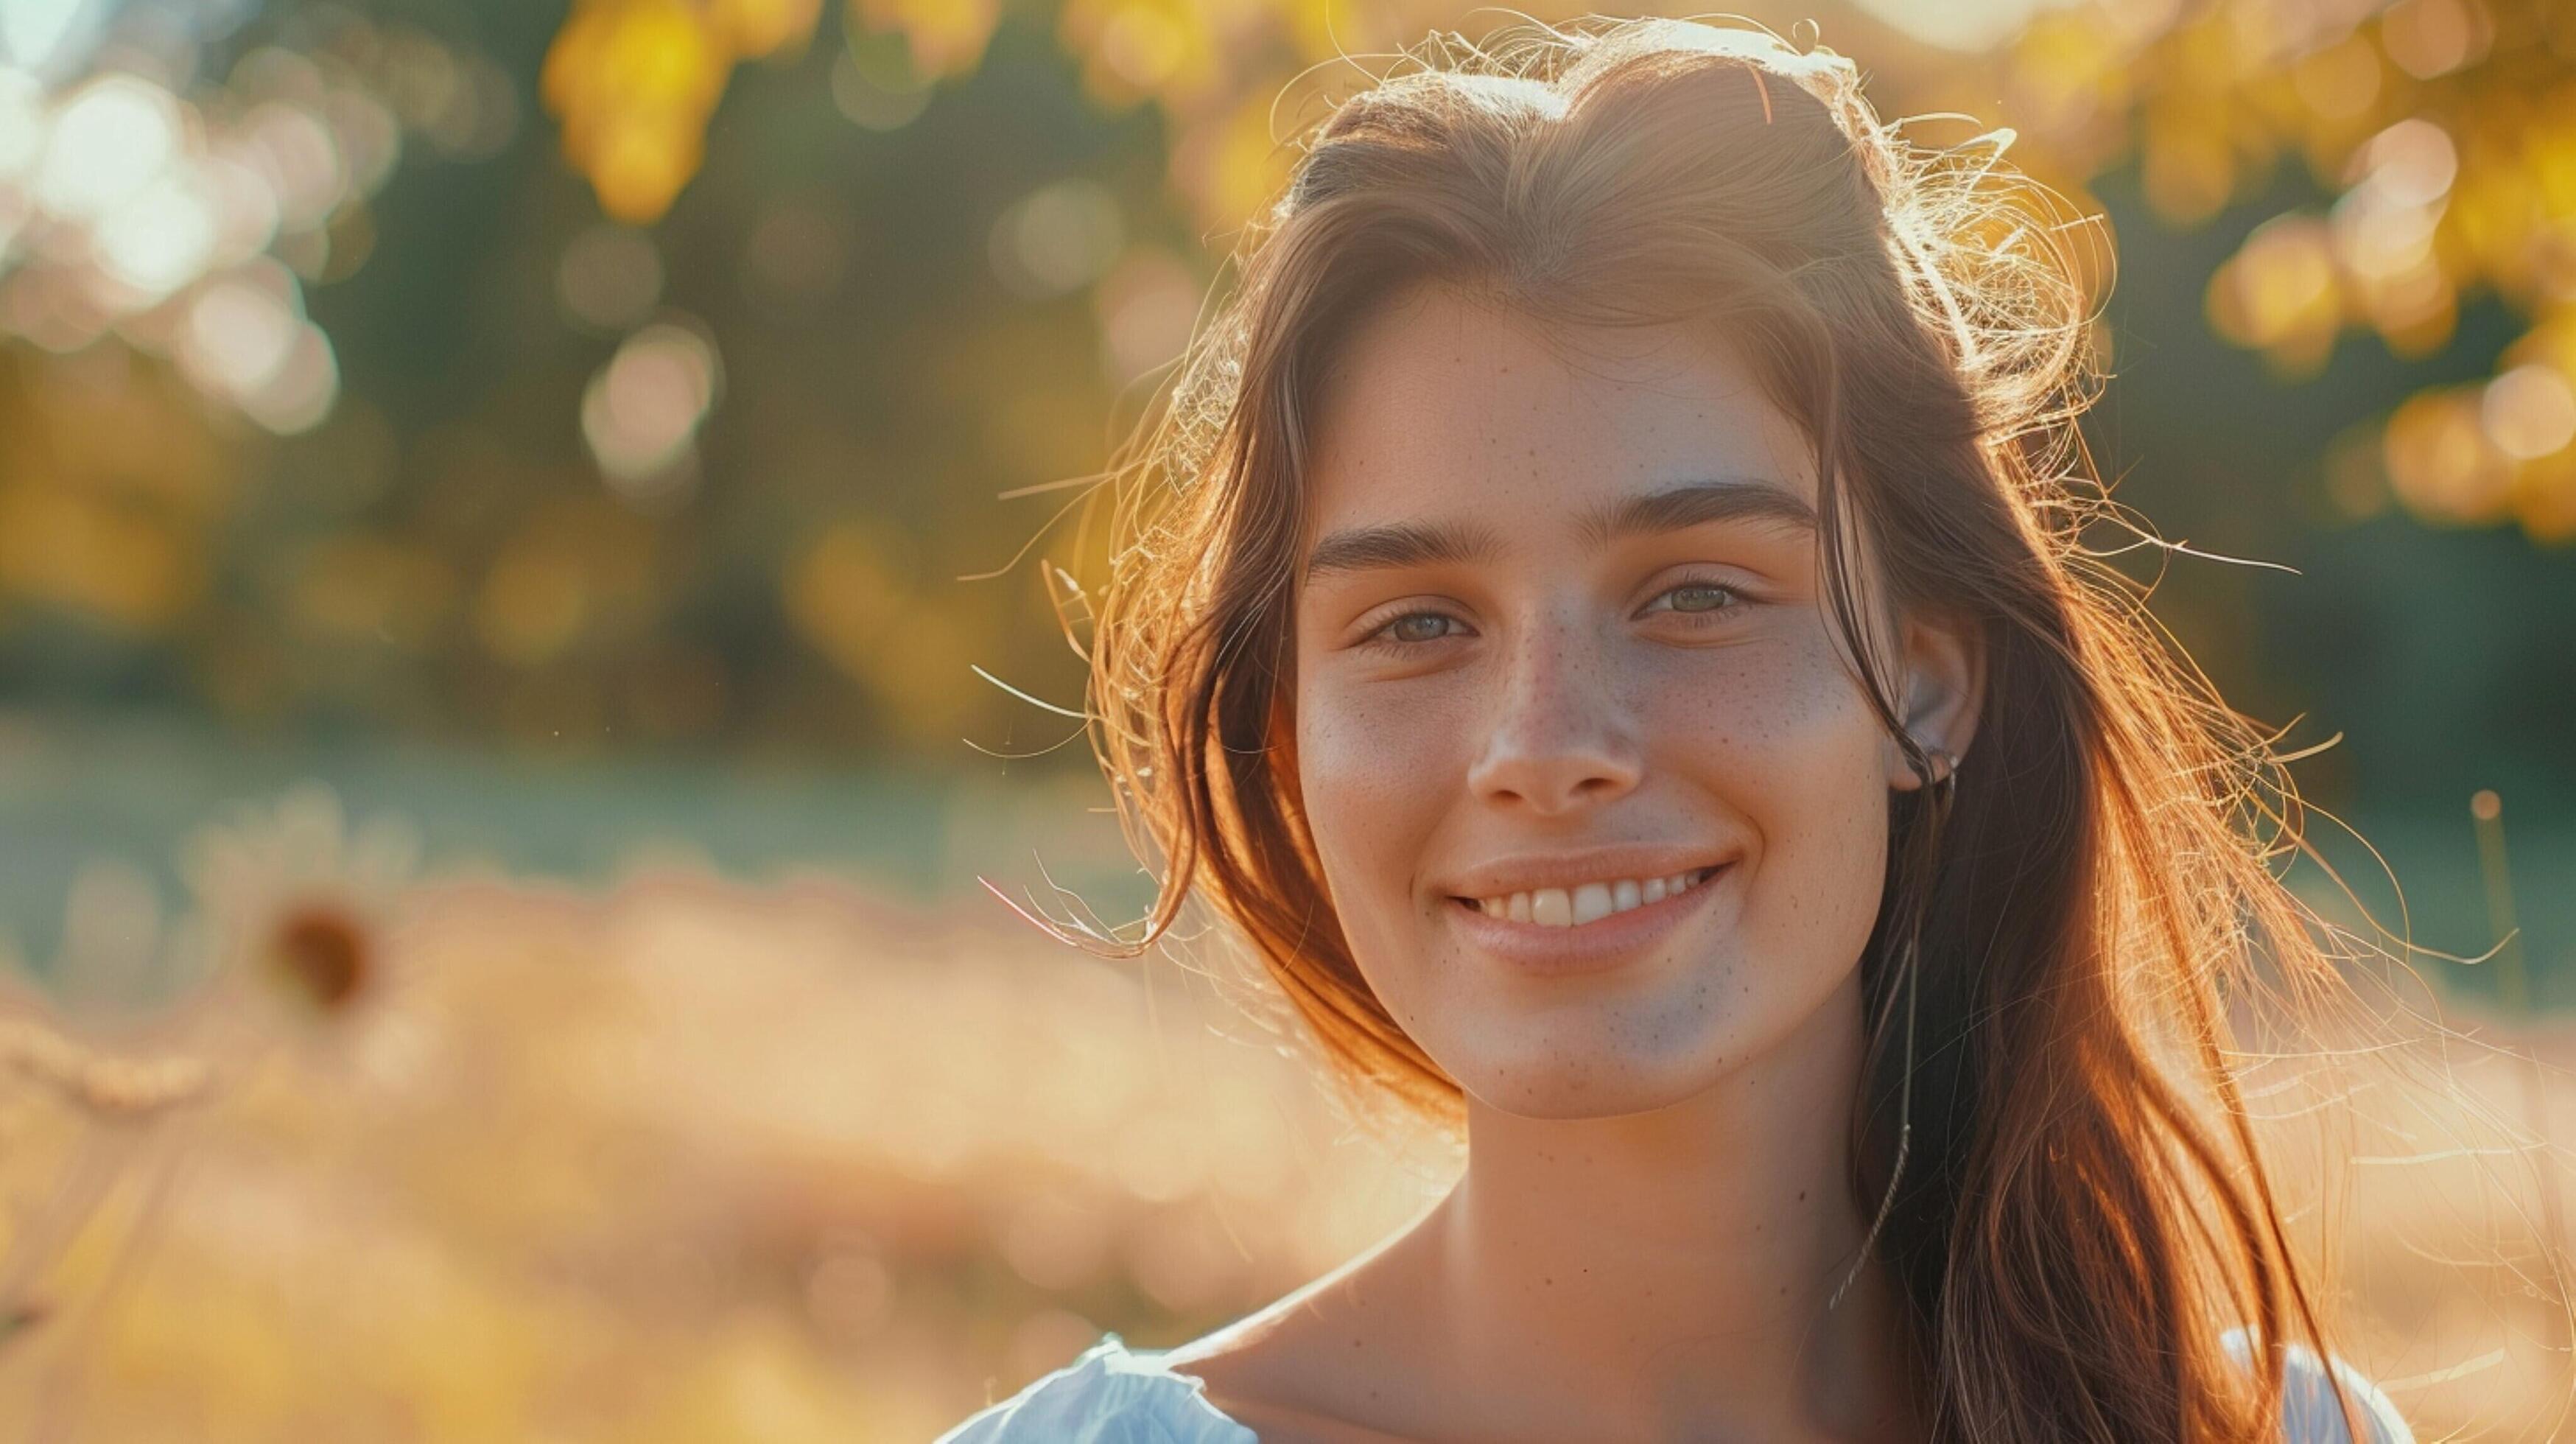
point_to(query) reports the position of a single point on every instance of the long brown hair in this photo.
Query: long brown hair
(2083, 1208)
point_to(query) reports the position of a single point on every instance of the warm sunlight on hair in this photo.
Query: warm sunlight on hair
(2100, 1038)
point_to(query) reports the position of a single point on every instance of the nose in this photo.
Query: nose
(1558, 737)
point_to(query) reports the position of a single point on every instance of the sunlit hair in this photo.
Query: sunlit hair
(2084, 1208)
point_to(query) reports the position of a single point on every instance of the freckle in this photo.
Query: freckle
(1802, 1195)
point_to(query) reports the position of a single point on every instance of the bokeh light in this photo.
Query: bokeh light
(1058, 239)
(2529, 412)
(644, 407)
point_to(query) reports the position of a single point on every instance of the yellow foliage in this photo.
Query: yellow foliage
(2189, 163)
(1136, 50)
(634, 82)
(2545, 503)
(1232, 167)
(2441, 463)
(764, 27)
(2451, 147)
(947, 37)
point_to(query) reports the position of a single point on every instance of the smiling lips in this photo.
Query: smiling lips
(1557, 907)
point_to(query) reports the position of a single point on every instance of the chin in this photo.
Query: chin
(1557, 1078)
(1604, 1054)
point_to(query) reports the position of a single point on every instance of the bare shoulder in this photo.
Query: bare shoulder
(1325, 1364)
(1287, 1391)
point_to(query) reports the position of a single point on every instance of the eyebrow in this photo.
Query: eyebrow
(1401, 544)
(1696, 503)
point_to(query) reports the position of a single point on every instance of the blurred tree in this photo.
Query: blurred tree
(674, 419)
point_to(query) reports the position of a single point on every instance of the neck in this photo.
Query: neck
(1673, 1267)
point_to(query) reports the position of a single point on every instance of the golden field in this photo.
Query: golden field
(461, 1158)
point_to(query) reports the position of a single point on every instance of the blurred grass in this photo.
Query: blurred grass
(687, 1159)
(683, 1159)
(696, 1100)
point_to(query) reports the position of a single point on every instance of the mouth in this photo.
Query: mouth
(1587, 903)
(1591, 927)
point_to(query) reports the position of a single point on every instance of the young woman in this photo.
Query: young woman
(1605, 616)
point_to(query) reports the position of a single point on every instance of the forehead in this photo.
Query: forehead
(1440, 401)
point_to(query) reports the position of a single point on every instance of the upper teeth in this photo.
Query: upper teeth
(1557, 907)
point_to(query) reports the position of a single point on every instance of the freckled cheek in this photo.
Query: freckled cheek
(1377, 772)
(1781, 710)
(1783, 737)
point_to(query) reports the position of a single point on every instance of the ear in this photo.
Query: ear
(1945, 683)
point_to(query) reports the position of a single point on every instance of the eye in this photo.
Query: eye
(1698, 598)
(1415, 628)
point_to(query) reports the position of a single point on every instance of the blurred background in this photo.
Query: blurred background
(530, 644)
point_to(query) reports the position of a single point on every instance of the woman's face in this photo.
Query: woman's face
(1600, 802)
